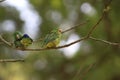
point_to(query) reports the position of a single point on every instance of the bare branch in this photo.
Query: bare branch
(91, 30)
(75, 26)
(11, 60)
(59, 47)
(79, 75)
(87, 70)
(100, 19)
(6, 42)
(104, 41)
(74, 42)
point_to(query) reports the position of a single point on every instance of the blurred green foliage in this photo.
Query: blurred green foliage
(53, 64)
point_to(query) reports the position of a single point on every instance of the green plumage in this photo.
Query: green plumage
(52, 39)
(17, 35)
(22, 41)
(17, 38)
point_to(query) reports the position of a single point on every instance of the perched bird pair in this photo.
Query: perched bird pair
(51, 40)
(22, 41)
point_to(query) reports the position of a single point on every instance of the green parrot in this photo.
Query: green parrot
(17, 38)
(22, 41)
(52, 39)
(26, 40)
(17, 35)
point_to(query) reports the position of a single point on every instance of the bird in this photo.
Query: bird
(26, 40)
(52, 39)
(17, 38)
(22, 41)
(17, 35)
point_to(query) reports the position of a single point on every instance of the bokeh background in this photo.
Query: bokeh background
(86, 60)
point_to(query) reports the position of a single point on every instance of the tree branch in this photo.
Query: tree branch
(92, 29)
(87, 70)
(59, 47)
(75, 26)
(4, 41)
(11, 60)
(104, 41)
(100, 19)
(79, 75)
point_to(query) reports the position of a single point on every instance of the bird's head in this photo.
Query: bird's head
(17, 35)
(56, 30)
(25, 36)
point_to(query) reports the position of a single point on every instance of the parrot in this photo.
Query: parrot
(26, 40)
(17, 35)
(17, 38)
(53, 39)
(22, 41)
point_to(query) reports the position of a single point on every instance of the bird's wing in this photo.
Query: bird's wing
(18, 44)
(49, 38)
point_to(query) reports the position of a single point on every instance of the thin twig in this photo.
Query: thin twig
(104, 41)
(98, 22)
(6, 42)
(11, 60)
(87, 70)
(91, 30)
(79, 75)
(75, 26)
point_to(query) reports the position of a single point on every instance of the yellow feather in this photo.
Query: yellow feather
(53, 43)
